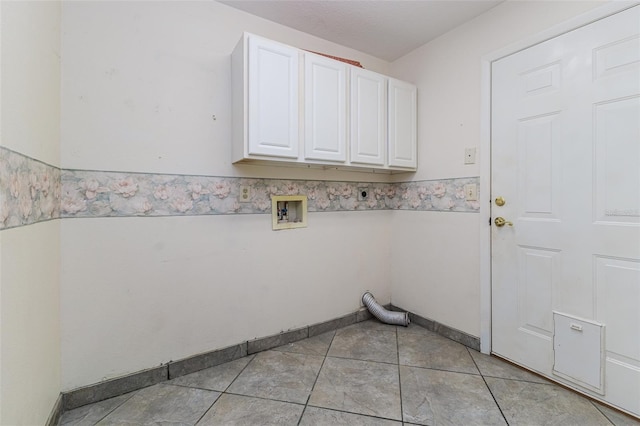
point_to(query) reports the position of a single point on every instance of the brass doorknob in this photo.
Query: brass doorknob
(500, 202)
(500, 222)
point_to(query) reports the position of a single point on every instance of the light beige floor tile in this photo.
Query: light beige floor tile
(314, 416)
(526, 403)
(360, 387)
(492, 366)
(615, 417)
(372, 324)
(237, 410)
(365, 344)
(317, 345)
(434, 397)
(93, 413)
(216, 378)
(163, 404)
(430, 350)
(278, 375)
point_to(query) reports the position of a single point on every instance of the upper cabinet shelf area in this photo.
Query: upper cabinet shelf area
(298, 108)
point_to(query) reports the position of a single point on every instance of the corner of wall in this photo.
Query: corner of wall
(29, 193)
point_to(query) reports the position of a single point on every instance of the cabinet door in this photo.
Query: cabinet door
(325, 109)
(402, 124)
(273, 99)
(368, 117)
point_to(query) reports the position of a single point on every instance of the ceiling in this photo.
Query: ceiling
(386, 29)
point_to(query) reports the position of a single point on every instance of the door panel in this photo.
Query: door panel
(617, 193)
(566, 158)
(538, 166)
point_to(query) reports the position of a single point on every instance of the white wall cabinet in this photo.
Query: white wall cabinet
(299, 108)
(266, 97)
(325, 101)
(368, 117)
(402, 122)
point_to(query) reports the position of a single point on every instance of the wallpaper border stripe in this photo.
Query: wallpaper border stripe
(32, 191)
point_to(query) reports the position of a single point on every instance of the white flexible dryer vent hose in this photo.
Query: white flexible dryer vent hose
(387, 317)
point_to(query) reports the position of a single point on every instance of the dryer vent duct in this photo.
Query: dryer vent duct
(387, 317)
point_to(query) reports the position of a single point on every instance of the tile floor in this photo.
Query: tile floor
(365, 374)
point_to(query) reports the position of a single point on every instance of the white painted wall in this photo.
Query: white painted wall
(30, 256)
(31, 79)
(30, 309)
(447, 72)
(138, 292)
(436, 279)
(140, 82)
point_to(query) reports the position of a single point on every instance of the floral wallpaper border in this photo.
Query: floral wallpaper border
(32, 191)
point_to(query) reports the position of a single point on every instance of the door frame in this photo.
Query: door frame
(583, 19)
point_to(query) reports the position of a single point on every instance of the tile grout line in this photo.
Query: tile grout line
(488, 388)
(324, 359)
(225, 389)
(208, 409)
(241, 371)
(358, 414)
(114, 408)
(444, 370)
(364, 360)
(264, 398)
(399, 376)
(601, 412)
(178, 385)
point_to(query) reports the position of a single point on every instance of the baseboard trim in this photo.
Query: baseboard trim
(56, 412)
(131, 382)
(114, 387)
(443, 330)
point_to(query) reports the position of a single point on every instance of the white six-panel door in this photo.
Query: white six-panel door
(566, 160)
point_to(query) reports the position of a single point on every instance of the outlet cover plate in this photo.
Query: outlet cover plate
(469, 156)
(471, 192)
(363, 193)
(245, 194)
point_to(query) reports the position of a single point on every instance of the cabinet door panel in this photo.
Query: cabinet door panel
(325, 109)
(273, 99)
(402, 124)
(368, 117)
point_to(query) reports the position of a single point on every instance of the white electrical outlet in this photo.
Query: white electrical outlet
(245, 194)
(471, 192)
(469, 156)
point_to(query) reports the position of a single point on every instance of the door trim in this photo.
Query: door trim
(583, 19)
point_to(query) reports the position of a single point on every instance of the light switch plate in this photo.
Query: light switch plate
(471, 192)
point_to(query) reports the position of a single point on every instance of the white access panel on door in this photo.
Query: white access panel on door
(578, 354)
